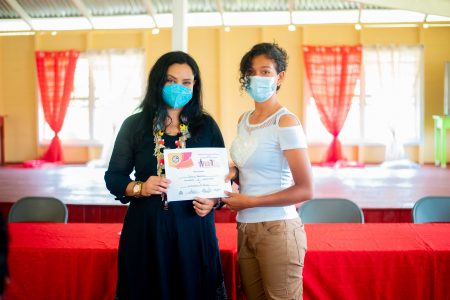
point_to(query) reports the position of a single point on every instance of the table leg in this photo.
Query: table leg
(437, 146)
(443, 146)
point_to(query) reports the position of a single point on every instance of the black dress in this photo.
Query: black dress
(163, 254)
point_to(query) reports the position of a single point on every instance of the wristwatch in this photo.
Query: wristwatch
(137, 189)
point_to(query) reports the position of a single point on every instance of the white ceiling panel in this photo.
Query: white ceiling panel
(112, 14)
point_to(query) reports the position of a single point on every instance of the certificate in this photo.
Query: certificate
(196, 172)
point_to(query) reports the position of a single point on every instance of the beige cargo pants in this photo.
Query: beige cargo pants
(271, 256)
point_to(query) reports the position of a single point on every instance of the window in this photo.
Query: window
(386, 108)
(108, 87)
(350, 132)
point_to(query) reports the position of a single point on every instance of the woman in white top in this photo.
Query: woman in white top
(274, 174)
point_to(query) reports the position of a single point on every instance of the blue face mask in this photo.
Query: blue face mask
(176, 95)
(261, 88)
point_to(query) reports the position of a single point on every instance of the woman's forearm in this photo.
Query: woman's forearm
(292, 195)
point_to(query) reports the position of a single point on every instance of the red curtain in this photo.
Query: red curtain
(55, 75)
(332, 73)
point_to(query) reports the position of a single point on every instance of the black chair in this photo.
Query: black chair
(330, 210)
(38, 209)
(431, 209)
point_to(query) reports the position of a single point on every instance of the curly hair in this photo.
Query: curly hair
(271, 51)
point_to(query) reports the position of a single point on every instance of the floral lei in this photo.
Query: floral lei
(183, 135)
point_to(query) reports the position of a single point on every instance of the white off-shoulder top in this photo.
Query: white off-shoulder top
(257, 151)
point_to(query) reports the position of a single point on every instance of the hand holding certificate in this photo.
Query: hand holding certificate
(196, 172)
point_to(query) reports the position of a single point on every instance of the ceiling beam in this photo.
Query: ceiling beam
(84, 11)
(291, 9)
(21, 12)
(150, 10)
(360, 8)
(430, 7)
(219, 8)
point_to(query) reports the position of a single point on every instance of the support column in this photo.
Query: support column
(179, 29)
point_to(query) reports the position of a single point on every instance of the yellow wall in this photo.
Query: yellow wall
(218, 54)
(437, 51)
(18, 97)
(1, 81)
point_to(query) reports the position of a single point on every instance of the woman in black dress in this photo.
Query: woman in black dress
(166, 250)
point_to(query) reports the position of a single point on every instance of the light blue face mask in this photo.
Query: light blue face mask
(261, 88)
(176, 95)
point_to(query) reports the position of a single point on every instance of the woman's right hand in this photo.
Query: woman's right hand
(155, 185)
(232, 173)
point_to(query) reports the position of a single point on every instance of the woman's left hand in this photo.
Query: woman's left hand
(237, 202)
(203, 206)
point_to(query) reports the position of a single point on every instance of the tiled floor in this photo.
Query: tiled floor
(73, 184)
(380, 187)
(372, 187)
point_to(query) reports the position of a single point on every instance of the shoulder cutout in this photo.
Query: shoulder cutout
(240, 118)
(288, 120)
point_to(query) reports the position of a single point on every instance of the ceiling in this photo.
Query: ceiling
(68, 8)
(97, 14)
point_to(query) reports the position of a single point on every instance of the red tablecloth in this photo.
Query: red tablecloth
(79, 261)
(437, 239)
(344, 261)
(377, 261)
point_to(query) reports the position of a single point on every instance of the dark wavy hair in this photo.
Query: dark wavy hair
(153, 105)
(271, 51)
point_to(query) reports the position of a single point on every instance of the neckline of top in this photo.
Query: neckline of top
(247, 122)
